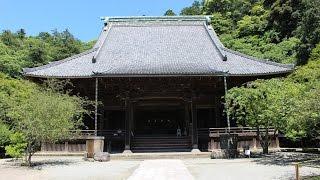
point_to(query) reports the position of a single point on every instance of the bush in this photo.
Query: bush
(4, 135)
(17, 145)
(315, 53)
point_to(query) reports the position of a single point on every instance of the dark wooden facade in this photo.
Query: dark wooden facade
(131, 107)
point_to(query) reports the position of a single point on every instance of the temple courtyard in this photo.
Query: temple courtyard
(275, 166)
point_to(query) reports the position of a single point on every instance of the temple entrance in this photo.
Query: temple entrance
(159, 120)
(155, 127)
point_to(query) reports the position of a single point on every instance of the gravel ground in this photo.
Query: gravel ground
(243, 169)
(278, 166)
(67, 168)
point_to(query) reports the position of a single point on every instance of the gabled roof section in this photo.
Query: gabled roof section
(158, 46)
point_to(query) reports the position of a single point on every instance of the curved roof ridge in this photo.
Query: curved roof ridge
(223, 56)
(291, 66)
(107, 29)
(55, 63)
(153, 18)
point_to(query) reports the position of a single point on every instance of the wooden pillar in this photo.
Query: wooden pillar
(128, 126)
(194, 128)
(254, 143)
(277, 142)
(187, 117)
(102, 119)
(217, 111)
(66, 146)
(96, 108)
(225, 94)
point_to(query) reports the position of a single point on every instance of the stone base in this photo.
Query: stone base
(128, 151)
(102, 157)
(195, 151)
(224, 154)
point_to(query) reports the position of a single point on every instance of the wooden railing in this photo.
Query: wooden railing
(202, 132)
(106, 133)
(241, 131)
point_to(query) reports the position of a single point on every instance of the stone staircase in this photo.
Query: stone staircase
(160, 143)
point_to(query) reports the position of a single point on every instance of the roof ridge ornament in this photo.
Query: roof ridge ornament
(208, 20)
(225, 58)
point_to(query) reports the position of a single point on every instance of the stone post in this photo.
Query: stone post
(94, 144)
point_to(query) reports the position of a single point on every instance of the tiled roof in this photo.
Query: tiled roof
(158, 46)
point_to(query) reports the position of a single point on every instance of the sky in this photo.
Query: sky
(80, 17)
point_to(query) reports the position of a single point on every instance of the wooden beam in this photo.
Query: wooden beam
(96, 108)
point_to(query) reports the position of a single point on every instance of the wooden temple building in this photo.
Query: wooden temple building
(159, 82)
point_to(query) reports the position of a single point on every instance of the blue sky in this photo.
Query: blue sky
(81, 17)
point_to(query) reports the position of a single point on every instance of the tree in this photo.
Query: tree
(4, 135)
(263, 104)
(222, 24)
(195, 9)
(290, 105)
(309, 29)
(304, 122)
(18, 51)
(169, 12)
(8, 38)
(38, 114)
(17, 145)
(284, 17)
(315, 53)
(21, 33)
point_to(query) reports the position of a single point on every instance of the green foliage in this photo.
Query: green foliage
(41, 114)
(250, 25)
(283, 52)
(315, 53)
(291, 104)
(308, 74)
(263, 104)
(195, 9)
(4, 134)
(18, 51)
(284, 17)
(221, 23)
(12, 92)
(309, 29)
(17, 145)
(235, 9)
(169, 12)
(284, 31)
(47, 115)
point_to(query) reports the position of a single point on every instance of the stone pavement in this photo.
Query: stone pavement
(162, 169)
(274, 166)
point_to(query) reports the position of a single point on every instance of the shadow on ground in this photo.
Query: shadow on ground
(51, 163)
(285, 158)
(38, 164)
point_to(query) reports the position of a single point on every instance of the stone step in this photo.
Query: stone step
(161, 146)
(140, 155)
(161, 137)
(159, 150)
(160, 143)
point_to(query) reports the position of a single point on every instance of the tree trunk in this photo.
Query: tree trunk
(264, 140)
(28, 154)
(29, 159)
(265, 149)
